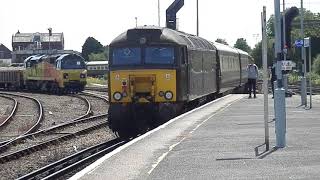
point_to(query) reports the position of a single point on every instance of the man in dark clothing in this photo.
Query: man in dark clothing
(273, 78)
(252, 78)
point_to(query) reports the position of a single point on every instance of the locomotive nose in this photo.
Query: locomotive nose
(142, 88)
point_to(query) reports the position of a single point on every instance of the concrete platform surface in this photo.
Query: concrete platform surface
(221, 140)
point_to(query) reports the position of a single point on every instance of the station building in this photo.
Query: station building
(27, 44)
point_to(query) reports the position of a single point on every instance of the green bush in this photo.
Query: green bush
(315, 78)
(316, 65)
(293, 78)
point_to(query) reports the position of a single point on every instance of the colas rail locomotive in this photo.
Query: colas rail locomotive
(155, 72)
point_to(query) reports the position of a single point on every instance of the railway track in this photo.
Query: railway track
(36, 141)
(16, 128)
(13, 110)
(75, 161)
(99, 102)
(100, 89)
(89, 109)
(297, 89)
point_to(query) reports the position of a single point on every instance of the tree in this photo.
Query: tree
(222, 41)
(103, 56)
(316, 65)
(91, 45)
(311, 29)
(242, 44)
(257, 53)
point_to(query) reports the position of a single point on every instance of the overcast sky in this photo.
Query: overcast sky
(106, 19)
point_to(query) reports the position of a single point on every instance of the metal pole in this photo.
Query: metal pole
(284, 50)
(279, 99)
(159, 13)
(197, 17)
(136, 21)
(284, 31)
(265, 77)
(303, 58)
(310, 70)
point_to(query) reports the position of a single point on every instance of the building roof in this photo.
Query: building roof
(3, 47)
(32, 37)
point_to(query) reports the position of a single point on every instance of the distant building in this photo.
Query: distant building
(97, 68)
(27, 44)
(5, 55)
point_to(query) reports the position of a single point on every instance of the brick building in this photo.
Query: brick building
(27, 44)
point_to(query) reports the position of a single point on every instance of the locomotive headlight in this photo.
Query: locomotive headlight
(117, 96)
(168, 95)
(82, 75)
(161, 93)
(65, 76)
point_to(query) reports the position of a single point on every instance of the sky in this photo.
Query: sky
(106, 19)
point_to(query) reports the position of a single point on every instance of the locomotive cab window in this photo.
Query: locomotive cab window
(72, 62)
(159, 55)
(126, 56)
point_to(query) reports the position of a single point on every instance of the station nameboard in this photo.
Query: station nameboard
(287, 65)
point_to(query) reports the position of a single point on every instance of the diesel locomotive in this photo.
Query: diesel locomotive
(155, 72)
(57, 73)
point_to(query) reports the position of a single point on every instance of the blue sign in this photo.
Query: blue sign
(299, 43)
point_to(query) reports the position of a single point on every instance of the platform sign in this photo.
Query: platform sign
(287, 65)
(299, 43)
(306, 42)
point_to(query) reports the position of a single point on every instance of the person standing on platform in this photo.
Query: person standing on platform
(252, 78)
(273, 78)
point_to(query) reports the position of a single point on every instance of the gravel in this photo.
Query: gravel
(59, 109)
(26, 116)
(29, 163)
(52, 135)
(98, 105)
(6, 106)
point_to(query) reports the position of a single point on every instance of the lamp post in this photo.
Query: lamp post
(159, 13)
(303, 57)
(279, 94)
(50, 34)
(136, 18)
(197, 17)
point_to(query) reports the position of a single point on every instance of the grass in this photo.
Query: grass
(101, 81)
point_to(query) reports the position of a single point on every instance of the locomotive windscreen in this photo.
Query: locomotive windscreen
(72, 62)
(148, 55)
(159, 55)
(126, 56)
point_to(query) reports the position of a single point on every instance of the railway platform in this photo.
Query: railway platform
(220, 140)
